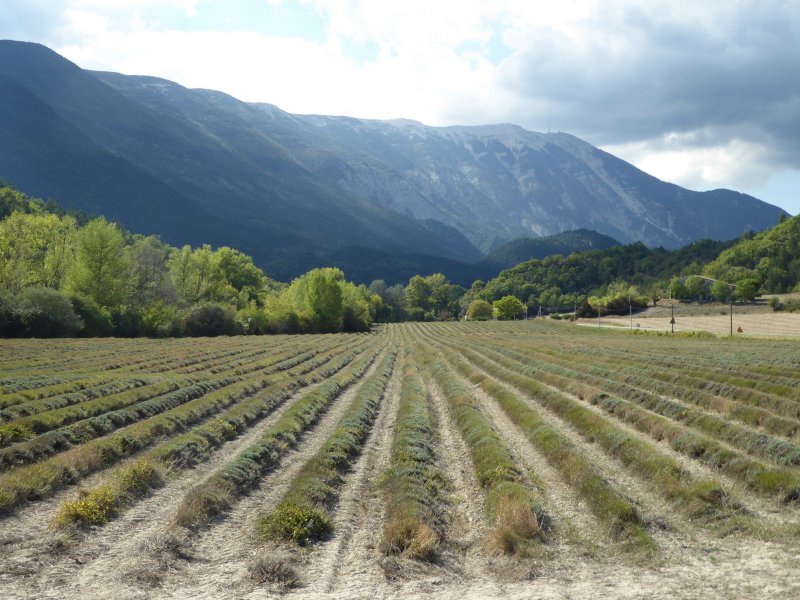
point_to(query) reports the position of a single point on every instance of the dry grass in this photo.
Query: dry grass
(411, 538)
(158, 556)
(516, 525)
(203, 502)
(275, 570)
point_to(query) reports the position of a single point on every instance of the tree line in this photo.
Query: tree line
(67, 274)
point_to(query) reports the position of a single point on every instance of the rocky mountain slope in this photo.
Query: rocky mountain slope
(300, 191)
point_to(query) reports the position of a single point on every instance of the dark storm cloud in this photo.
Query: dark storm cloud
(733, 69)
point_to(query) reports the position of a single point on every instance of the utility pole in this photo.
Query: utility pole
(630, 309)
(672, 320)
(731, 313)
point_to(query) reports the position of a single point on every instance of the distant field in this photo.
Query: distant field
(473, 460)
(753, 323)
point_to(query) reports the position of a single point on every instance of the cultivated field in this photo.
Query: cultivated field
(753, 321)
(510, 460)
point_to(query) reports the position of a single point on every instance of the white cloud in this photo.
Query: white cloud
(699, 168)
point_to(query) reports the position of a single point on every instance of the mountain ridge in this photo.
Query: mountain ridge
(201, 166)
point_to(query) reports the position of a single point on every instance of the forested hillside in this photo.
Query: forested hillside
(559, 281)
(565, 243)
(771, 256)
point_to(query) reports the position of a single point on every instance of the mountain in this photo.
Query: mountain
(192, 177)
(296, 191)
(558, 281)
(565, 243)
(499, 182)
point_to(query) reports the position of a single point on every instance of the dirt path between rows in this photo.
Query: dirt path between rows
(652, 505)
(467, 526)
(222, 552)
(771, 510)
(350, 562)
(106, 556)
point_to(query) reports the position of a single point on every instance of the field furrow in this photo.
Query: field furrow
(475, 460)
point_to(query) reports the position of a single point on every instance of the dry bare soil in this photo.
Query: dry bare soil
(748, 321)
(475, 460)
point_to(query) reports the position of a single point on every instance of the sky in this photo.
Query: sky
(702, 93)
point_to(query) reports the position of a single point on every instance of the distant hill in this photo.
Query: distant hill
(772, 257)
(565, 243)
(298, 191)
(560, 279)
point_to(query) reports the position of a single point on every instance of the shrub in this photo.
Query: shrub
(127, 321)
(300, 524)
(138, 477)
(161, 320)
(96, 320)
(93, 508)
(479, 310)
(211, 319)
(44, 312)
(276, 570)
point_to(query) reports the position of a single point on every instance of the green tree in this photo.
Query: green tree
(677, 289)
(393, 298)
(721, 291)
(35, 250)
(479, 310)
(598, 303)
(149, 276)
(695, 288)
(418, 294)
(241, 280)
(747, 289)
(655, 292)
(96, 320)
(44, 312)
(355, 307)
(323, 298)
(100, 266)
(211, 319)
(509, 307)
(195, 274)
